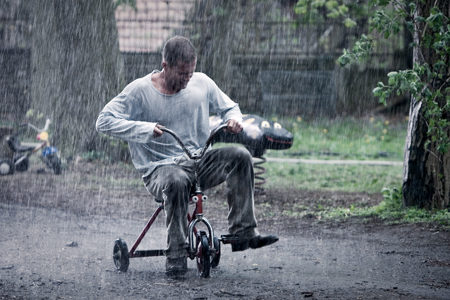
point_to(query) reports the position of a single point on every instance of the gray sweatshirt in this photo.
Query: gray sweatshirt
(134, 113)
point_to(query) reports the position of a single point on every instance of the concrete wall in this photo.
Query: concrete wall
(15, 66)
(15, 79)
(140, 64)
(286, 85)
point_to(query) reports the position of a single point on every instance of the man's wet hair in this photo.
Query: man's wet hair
(178, 48)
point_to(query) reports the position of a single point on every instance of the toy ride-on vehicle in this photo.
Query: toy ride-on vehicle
(204, 246)
(22, 151)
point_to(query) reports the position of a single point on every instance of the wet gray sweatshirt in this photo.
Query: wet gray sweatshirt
(133, 114)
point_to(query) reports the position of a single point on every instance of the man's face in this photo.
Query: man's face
(178, 76)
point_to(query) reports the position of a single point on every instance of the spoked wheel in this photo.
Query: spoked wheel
(203, 256)
(216, 255)
(121, 255)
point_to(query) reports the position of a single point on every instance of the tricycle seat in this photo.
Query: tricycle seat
(16, 146)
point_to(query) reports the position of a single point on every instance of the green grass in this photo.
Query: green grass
(349, 138)
(348, 178)
(343, 139)
(391, 211)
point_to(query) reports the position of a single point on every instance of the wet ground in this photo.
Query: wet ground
(57, 234)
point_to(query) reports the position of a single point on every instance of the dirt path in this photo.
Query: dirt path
(335, 161)
(65, 252)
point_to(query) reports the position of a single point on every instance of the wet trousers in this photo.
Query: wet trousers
(172, 184)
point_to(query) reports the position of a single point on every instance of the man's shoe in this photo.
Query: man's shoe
(176, 266)
(254, 242)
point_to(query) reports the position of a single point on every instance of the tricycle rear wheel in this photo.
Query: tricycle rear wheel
(6, 167)
(121, 255)
(216, 255)
(55, 162)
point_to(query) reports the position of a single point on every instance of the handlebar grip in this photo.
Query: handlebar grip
(211, 136)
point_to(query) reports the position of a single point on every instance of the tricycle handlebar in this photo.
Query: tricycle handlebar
(208, 141)
(39, 130)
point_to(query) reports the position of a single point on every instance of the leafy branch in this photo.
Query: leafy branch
(426, 83)
(315, 11)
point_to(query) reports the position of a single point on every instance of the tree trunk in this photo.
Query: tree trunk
(426, 172)
(76, 67)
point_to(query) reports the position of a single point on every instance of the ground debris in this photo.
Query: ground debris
(72, 244)
(437, 263)
(307, 294)
(223, 293)
(277, 267)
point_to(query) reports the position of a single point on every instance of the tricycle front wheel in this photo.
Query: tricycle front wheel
(55, 162)
(203, 257)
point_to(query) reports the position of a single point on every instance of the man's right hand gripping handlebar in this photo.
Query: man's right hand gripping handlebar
(157, 131)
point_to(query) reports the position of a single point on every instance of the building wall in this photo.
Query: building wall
(145, 28)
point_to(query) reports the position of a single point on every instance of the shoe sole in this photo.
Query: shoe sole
(235, 247)
(253, 244)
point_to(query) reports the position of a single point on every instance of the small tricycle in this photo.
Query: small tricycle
(204, 246)
(22, 151)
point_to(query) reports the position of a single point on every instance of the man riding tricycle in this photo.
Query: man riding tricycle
(181, 100)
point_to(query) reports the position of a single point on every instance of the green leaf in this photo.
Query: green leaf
(377, 91)
(318, 3)
(349, 23)
(343, 9)
(391, 74)
(333, 14)
(331, 4)
(131, 3)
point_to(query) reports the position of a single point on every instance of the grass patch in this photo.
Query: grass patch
(390, 210)
(349, 138)
(348, 178)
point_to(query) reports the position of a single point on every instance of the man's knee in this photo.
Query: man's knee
(177, 181)
(241, 154)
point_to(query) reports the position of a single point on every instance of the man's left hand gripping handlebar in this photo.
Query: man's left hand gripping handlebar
(234, 126)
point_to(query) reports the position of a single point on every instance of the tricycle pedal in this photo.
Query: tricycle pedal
(228, 238)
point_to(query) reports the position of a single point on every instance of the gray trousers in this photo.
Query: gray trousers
(172, 183)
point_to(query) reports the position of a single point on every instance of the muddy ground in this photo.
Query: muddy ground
(57, 234)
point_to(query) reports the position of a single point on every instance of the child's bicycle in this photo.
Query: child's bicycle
(204, 246)
(22, 152)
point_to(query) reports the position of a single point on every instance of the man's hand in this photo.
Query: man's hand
(157, 132)
(234, 126)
